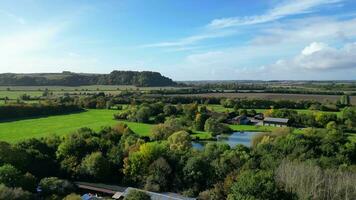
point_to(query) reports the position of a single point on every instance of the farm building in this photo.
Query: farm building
(241, 119)
(271, 121)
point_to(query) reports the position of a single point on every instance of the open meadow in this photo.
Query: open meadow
(14, 131)
(276, 96)
(220, 108)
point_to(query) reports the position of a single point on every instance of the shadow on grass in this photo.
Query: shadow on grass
(41, 116)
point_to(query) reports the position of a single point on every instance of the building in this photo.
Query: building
(279, 122)
(241, 119)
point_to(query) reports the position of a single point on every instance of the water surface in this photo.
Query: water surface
(232, 140)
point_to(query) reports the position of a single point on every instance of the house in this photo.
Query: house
(241, 119)
(279, 122)
(259, 116)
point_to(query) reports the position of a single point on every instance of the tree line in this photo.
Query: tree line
(15, 111)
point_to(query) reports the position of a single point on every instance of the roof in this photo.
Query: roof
(279, 120)
(89, 197)
(240, 117)
(98, 187)
(117, 195)
(160, 196)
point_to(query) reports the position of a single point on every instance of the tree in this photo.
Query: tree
(254, 185)
(216, 128)
(331, 125)
(199, 121)
(344, 100)
(163, 131)
(7, 193)
(28, 182)
(54, 185)
(143, 114)
(95, 166)
(169, 110)
(10, 176)
(159, 176)
(72, 197)
(190, 110)
(134, 194)
(196, 173)
(136, 166)
(180, 141)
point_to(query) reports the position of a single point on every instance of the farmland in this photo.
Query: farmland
(220, 108)
(63, 124)
(96, 119)
(276, 96)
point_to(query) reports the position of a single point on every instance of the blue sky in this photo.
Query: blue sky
(185, 39)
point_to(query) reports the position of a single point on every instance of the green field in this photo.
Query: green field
(220, 108)
(64, 124)
(13, 92)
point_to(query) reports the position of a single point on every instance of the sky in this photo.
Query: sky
(184, 40)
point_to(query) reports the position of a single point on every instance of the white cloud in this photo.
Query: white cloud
(192, 39)
(313, 47)
(321, 57)
(287, 8)
(308, 30)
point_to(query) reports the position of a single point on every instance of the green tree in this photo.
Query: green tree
(134, 194)
(7, 193)
(159, 176)
(72, 197)
(180, 141)
(215, 127)
(96, 166)
(255, 185)
(199, 121)
(10, 176)
(169, 110)
(143, 114)
(54, 185)
(196, 173)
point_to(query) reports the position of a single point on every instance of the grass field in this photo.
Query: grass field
(275, 96)
(64, 124)
(220, 108)
(13, 92)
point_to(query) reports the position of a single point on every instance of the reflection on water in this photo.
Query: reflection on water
(233, 139)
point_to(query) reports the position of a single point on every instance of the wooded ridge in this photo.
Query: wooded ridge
(136, 78)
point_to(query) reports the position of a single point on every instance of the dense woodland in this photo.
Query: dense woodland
(145, 79)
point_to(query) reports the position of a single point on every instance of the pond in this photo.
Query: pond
(233, 139)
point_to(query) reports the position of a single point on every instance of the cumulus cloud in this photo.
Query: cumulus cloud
(287, 8)
(308, 30)
(319, 56)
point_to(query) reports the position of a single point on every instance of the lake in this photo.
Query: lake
(233, 139)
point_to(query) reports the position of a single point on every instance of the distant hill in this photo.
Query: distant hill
(142, 79)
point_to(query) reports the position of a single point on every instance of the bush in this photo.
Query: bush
(137, 195)
(54, 185)
(7, 193)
